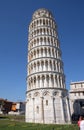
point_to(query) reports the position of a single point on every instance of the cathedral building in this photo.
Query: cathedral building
(46, 94)
(76, 96)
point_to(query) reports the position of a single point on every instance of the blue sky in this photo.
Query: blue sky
(15, 16)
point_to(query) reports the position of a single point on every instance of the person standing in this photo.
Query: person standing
(82, 124)
(80, 118)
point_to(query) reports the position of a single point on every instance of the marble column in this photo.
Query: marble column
(53, 110)
(68, 109)
(62, 110)
(42, 110)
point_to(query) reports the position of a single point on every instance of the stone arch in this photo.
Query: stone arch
(46, 64)
(45, 40)
(40, 21)
(55, 93)
(56, 81)
(59, 81)
(43, 21)
(36, 94)
(29, 70)
(41, 51)
(52, 80)
(53, 52)
(29, 95)
(31, 55)
(47, 79)
(34, 67)
(49, 22)
(35, 53)
(38, 63)
(41, 40)
(49, 40)
(31, 67)
(34, 32)
(49, 51)
(32, 25)
(46, 93)
(34, 81)
(43, 79)
(37, 22)
(50, 62)
(54, 33)
(31, 44)
(37, 31)
(46, 22)
(29, 86)
(53, 24)
(47, 31)
(54, 42)
(38, 78)
(41, 30)
(50, 31)
(38, 52)
(37, 41)
(45, 51)
(54, 65)
(42, 64)
(31, 82)
(34, 42)
(44, 30)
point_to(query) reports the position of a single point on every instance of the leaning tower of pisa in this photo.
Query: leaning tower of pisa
(46, 95)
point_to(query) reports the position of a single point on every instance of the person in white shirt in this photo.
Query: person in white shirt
(82, 124)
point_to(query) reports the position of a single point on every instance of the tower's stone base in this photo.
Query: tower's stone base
(49, 106)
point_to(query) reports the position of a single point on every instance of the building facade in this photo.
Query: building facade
(46, 95)
(76, 95)
(8, 107)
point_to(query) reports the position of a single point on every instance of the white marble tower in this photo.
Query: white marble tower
(46, 95)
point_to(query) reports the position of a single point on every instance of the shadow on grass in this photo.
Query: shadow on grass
(3, 117)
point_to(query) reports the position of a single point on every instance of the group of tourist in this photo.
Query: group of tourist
(81, 123)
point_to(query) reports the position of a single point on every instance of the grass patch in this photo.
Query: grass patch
(13, 117)
(8, 122)
(15, 125)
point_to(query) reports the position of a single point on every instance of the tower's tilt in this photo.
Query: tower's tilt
(45, 76)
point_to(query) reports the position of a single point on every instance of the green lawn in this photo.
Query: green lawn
(14, 125)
